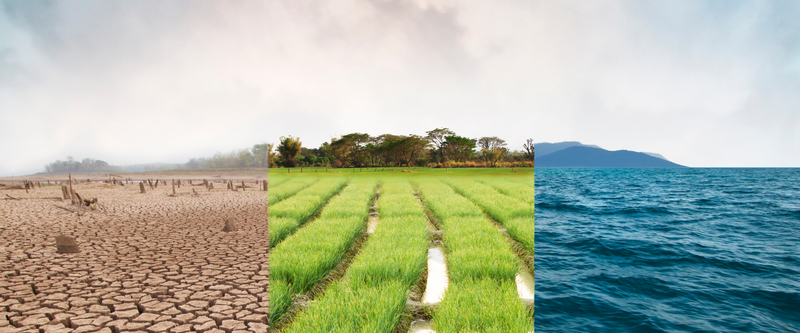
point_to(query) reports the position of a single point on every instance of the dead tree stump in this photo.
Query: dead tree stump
(243, 186)
(141, 187)
(66, 244)
(264, 184)
(64, 192)
(230, 225)
(71, 193)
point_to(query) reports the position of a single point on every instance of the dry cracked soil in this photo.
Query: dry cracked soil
(147, 262)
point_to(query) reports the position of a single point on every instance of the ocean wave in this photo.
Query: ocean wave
(698, 250)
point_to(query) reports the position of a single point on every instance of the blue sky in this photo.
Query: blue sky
(704, 83)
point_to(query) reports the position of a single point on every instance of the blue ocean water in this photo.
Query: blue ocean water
(667, 250)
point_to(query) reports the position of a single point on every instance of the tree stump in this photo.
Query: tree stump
(243, 186)
(230, 225)
(141, 188)
(66, 244)
(265, 185)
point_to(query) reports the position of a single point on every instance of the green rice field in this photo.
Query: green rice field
(351, 250)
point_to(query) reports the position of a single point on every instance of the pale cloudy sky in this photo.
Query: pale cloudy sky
(705, 83)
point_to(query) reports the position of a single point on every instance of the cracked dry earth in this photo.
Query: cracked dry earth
(148, 262)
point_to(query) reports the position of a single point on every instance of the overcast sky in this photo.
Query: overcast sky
(702, 83)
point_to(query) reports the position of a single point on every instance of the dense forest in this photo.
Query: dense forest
(440, 147)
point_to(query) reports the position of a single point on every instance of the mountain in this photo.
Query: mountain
(656, 155)
(590, 157)
(544, 148)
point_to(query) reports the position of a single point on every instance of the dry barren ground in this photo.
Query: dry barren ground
(147, 262)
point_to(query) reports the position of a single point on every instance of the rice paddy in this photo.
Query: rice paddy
(329, 272)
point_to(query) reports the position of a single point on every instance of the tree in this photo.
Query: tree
(405, 150)
(271, 154)
(259, 152)
(528, 146)
(492, 149)
(438, 137)
(289, 148)
(459, 148)
(350, 148)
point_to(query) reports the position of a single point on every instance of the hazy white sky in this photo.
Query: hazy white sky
(703, 83)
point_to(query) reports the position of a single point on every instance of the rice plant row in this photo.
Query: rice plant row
(517, 190)
(279, 192)
(275, 181)
(372, 295)
(481, 296)
(286, 216)
(515, 215)
(304, 258)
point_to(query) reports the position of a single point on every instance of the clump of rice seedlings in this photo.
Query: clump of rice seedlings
(276, 180)
(482, 306)
(303, 259)
(280, 298)
(482, 268)
(517, 190)
(345, 309)
(280, 192)
(443, 204)
(396, 251)
(517, 216)
(289, 214)
(372, 295)
(475, 250)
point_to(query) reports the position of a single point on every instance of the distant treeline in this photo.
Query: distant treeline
(244, 158)
(92, 165)
(440, 147)
(86, 165)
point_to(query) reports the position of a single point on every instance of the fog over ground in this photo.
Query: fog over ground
(704, 83)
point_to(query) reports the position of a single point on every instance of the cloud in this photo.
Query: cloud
(152, 81)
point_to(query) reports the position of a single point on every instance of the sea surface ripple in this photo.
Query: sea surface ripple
(667, 250)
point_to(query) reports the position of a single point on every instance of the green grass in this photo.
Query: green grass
(476, 250)
(344, 309)
(287, 188)
(286, 216)
(276, 181)
(481, 296)
(304, 258)
(482, 306)
(517, 216)
(372, 295)
(517, 190)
